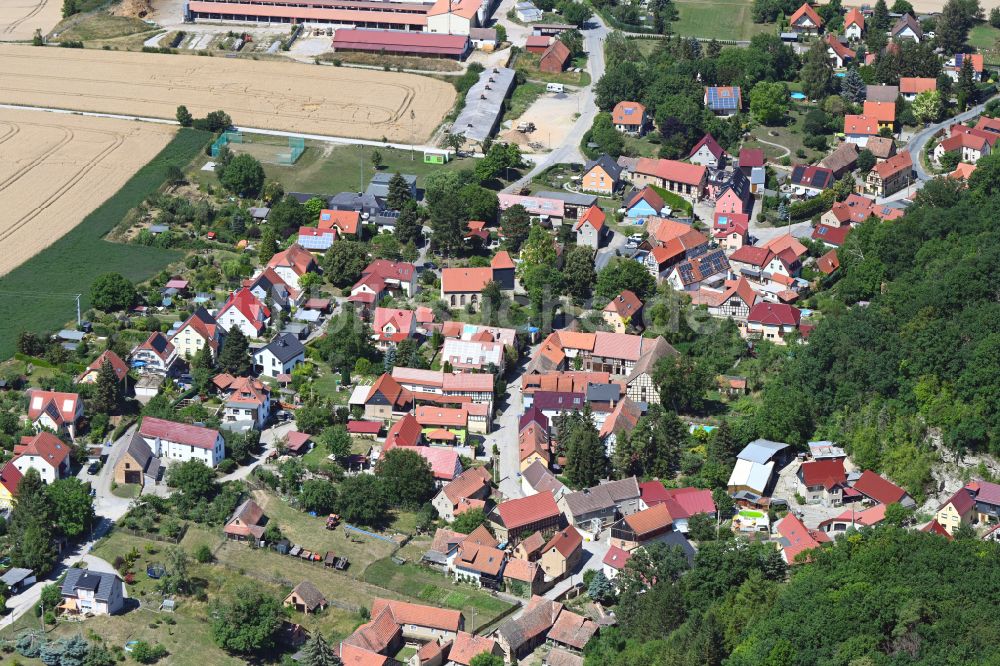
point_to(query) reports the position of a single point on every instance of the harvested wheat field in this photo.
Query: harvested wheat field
(263, 94)
(57, 168)
(20, 18)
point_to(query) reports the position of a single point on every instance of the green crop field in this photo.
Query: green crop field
(718, 19)
(39, 294)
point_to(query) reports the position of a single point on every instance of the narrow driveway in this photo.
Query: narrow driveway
(569, 149)
(919, 140)
(269, 439)
(504, 436)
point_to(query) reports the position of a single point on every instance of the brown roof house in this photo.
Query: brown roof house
(572, 631)
(525, 515)
(247, 523)
(137, 463)
(518, 637)
(387, 400)
(306, 598)
(562, 553)
(472, 484)
(554, 58)
(623, 310)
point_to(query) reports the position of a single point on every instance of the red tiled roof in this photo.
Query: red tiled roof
(751, 157)
(650, 520)
(754, 255)
(854, 16)
(117, 364)
(61, 407)
(428, 415)
(866, 518)
(420, 615)
(364, 427)
(465, 280)
(522, 570)
(572, 629)
(898, 162)
(828, 263)
(343, 16)
(807, 11)
(649, 195)
(501, 260)
(626, 304)
(878, 488)
(672, 170)
(344, 221)
(713, 146)
(10, 476)
(295, 441)
(914, 85)
(566, 541)
(399, 41)
(443, 461)
(390, 388)
(594, 216)
(249, 306)
(934, 527)
(842, 51)
(827, 473)
(883, 112)
(774, 314)
(296, 257)
(799, 538)
(517, 513)
(404, 432)
(182, 433)
(616, 558)
(46, 446)
(557, 51)
(466, 646)
(962, 500)
(831, 235)
(627, 113)
(470, 482)
(860, 124)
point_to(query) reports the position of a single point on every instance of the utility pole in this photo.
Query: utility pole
(79, 321)
(413, 133)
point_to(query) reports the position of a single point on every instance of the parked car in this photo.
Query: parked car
(94, 467)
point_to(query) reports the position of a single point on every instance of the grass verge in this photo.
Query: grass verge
(434, 588)
(39, 294)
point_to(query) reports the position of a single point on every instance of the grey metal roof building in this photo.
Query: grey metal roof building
(761, 451)
(379, 184)
(484, 104)
(571, 198)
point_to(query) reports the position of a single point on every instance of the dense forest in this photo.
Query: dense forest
(907, 352)
(909, 346)
(881, 596)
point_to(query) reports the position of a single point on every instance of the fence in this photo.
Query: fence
(225, 139)
(296, 146)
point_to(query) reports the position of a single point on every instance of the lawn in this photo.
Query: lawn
(311, 533)
(39, 294)
(327, 168)
(718, 19)
(985, 38)
(790, 136)
(523, 96)
(100, 25)
(527, 64)
(675, 201)
(189, 641)
(642, 147)
(431, 587)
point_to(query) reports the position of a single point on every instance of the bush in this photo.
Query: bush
(144, 653)
(203, 554)
(226, 466)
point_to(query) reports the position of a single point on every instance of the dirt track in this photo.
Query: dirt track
(263, 94)
(20, 18)
(58, 168)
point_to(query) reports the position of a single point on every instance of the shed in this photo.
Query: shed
(306, 598)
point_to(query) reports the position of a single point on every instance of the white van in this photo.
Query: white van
(554, 87)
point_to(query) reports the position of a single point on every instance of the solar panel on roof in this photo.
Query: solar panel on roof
(721, 99)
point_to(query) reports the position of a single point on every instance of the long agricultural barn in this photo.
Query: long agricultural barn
(454, 17)
(401, 43)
